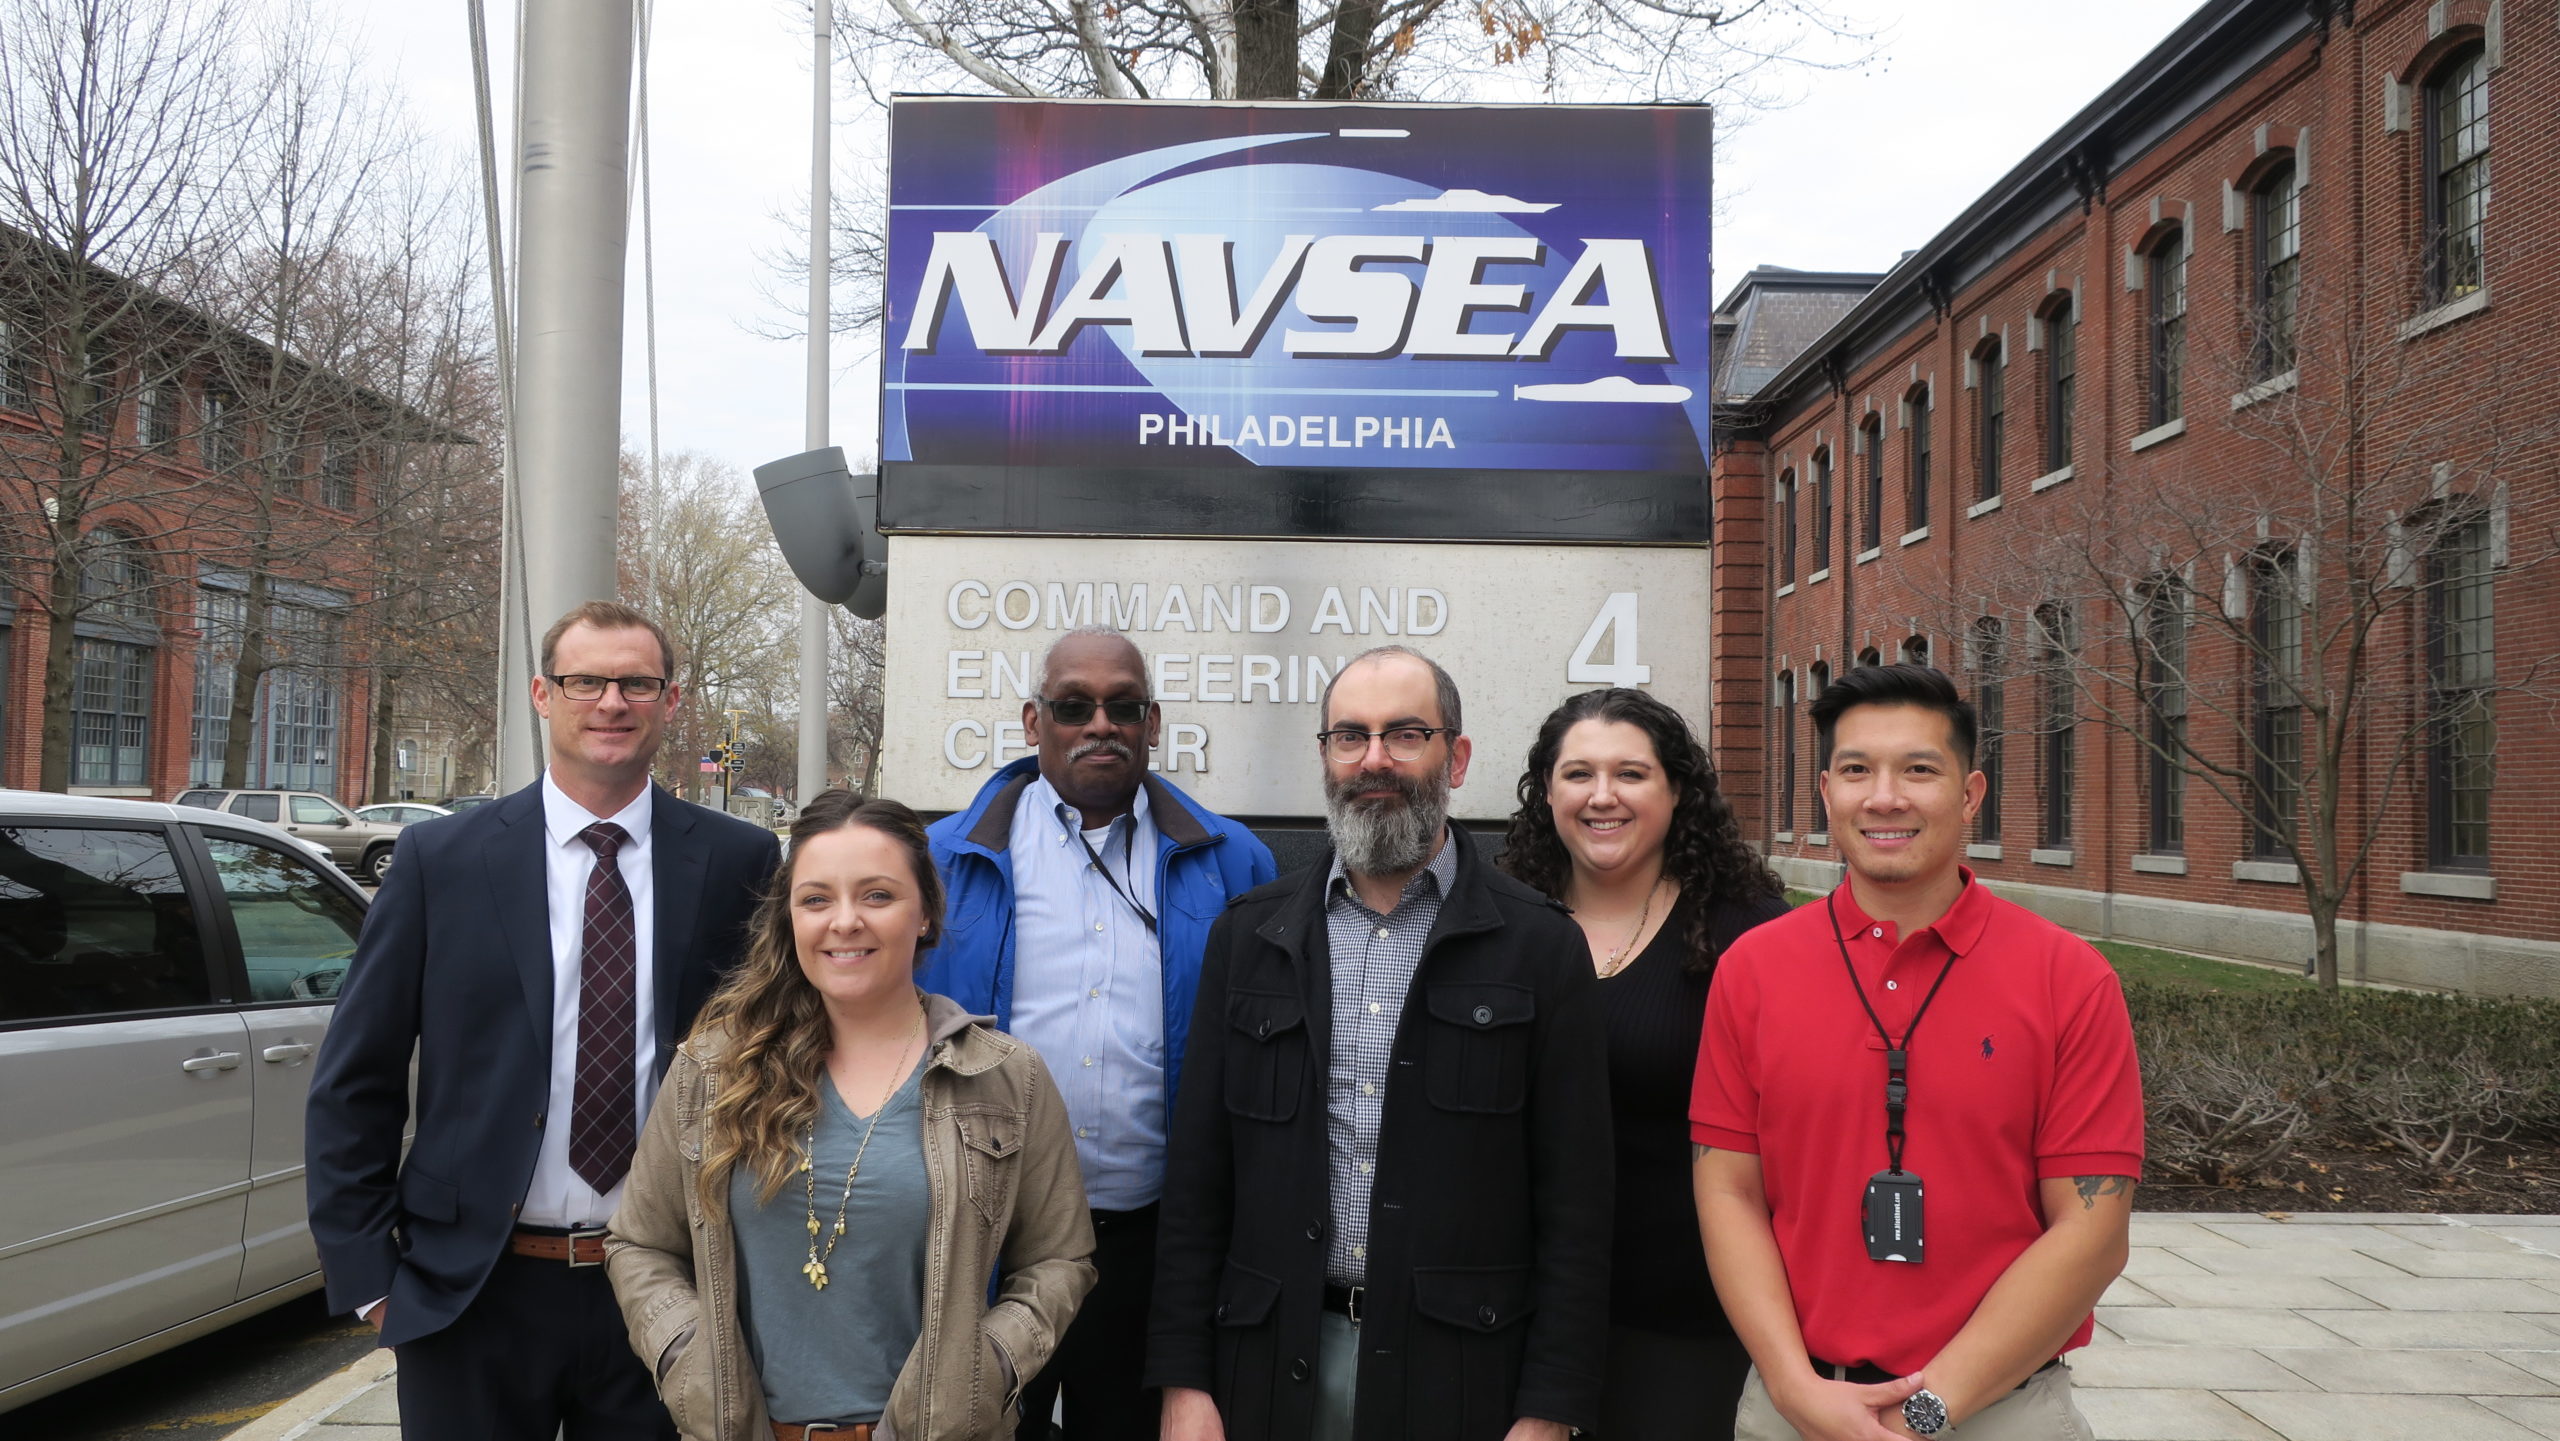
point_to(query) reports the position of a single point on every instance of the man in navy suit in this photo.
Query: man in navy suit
(542, 957)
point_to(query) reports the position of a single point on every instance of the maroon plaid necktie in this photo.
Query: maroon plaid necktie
(603, 1124)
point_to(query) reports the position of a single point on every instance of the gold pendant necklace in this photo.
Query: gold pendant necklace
(816, 1267)
(1618, 958)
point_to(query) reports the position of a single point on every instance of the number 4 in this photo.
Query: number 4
(1617, 617)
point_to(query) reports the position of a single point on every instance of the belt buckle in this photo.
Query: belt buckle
(577, 1234)
(1359, 1295)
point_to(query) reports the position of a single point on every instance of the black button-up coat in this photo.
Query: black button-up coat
(1488, 1264)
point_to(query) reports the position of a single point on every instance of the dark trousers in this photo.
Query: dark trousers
(541, 1348)
(1665, 1387)
(1104, 1351)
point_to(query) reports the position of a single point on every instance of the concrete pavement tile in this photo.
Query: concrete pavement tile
(2144, 1262)
(2326, 1416)
(2434, 1330)
(2371, 1218)
(2481, 1238)
(2484, 1220)
(2162, 1231)
(331, 1431)
(2432, 1293)
(2180, 1326)
(2293, 1293)
(2545, 1364)
(2124, 1292)
(376, 1406)
(2285, 1261)
(2196, 1368)
(2412, 1373)
(2313, 1233)
(2542, 1413)
(2541, 1238)
(2510, 1263)
(2168, 1416)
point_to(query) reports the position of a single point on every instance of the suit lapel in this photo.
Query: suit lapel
(520, 894)
(679, 856)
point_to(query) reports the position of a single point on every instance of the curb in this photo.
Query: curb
(302, 1412)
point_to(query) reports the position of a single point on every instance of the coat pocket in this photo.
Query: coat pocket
(1266, 1055)
(1476, 1053)
(428, 1198)
(990, 1140)
(1470, 1331)
(1248, 1350)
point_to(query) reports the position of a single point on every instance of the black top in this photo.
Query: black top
(1656, 1008)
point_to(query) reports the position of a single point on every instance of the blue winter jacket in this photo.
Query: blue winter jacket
(1202, 861)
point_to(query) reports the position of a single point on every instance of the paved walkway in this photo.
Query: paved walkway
(2224, 1328)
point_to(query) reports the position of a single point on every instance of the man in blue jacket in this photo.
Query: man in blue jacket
(1080, 891)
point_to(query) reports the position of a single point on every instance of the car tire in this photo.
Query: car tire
(370, 869)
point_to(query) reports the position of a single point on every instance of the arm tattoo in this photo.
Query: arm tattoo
(1698, 1150)
(2092, 1187)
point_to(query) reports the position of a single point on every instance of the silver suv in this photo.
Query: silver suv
(166, 976)
(361, 848)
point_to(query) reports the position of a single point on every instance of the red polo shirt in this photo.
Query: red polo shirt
(2023, 1070)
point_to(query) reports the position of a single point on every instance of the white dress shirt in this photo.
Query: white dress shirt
(558, 1196)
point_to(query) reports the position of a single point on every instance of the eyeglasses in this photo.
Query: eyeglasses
(1076, 710)
(637, 689)
(1404, 743)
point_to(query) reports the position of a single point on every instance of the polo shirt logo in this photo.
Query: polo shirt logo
(1986, 1048)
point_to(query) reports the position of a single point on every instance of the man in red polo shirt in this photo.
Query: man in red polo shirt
(1917, 1115)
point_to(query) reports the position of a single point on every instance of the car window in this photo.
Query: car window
(313, 811)
(201, 800)
(297, 931)
(94, 922)
(256, 808)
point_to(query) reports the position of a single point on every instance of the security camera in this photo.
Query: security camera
(827, 522)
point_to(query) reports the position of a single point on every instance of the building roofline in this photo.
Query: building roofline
(2078, 156)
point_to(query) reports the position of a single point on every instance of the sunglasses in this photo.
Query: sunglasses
(1076, 710)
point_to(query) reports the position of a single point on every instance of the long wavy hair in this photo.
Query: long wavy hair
(775, 1023)
(1703, 849)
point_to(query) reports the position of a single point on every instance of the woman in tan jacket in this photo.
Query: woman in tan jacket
(837, 1164)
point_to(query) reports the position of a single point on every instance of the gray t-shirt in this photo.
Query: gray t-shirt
(832, 1355)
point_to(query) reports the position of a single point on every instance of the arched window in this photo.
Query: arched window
(2164, 697)
(1915, 650)
(2168, 357)
(1869, 655)
(1871, 501)
(1991, 700)
(1915, 477)
(1821, 511)
(2054, 660)
(2278, 246)
(1990, 418)
(2462, 671)
(2061, 380)
(2457, 176)
(1817, 680)
(2275, 700)
(1783, 738)
(1786, 527)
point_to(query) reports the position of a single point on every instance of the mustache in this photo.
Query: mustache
(1104, 746)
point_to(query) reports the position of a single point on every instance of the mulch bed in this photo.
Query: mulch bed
(2503, 1180)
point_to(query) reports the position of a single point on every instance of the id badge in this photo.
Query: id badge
(1893, 1218)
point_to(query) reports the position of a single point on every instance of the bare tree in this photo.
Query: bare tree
(2305, 636)
(120, 136)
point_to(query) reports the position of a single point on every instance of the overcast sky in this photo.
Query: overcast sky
(1864, 167)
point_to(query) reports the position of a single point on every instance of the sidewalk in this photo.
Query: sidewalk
(2224, 1328)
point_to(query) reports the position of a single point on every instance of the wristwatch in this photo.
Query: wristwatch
(1924, 1413)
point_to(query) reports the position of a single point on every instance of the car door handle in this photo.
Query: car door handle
(218, 1061)
(289, 1051)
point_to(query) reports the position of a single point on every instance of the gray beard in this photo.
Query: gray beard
(1376, 840)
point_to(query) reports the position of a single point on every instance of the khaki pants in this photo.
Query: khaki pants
(2041, 1410)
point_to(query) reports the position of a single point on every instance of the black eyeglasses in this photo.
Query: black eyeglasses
(1404, 743)
(1075, 710)
(637, 689)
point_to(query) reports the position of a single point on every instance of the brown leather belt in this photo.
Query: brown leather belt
(578, 1248)
(803, 1431)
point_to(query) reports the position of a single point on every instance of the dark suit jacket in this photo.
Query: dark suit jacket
(1488, 1265)
(455, 965)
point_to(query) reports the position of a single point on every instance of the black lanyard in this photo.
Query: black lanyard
(1129, 862)
(1897, 1055)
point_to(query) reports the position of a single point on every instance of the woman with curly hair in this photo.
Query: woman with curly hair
(1620, 820)
(837, 1163)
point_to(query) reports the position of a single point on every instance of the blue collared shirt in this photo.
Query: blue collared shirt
(1088, 986)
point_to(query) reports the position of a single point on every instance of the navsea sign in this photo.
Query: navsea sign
(1118, 294)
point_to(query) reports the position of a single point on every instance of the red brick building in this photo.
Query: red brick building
(2213, 449)
(180, 473)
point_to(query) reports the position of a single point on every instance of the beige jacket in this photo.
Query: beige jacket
(1000, 1165)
